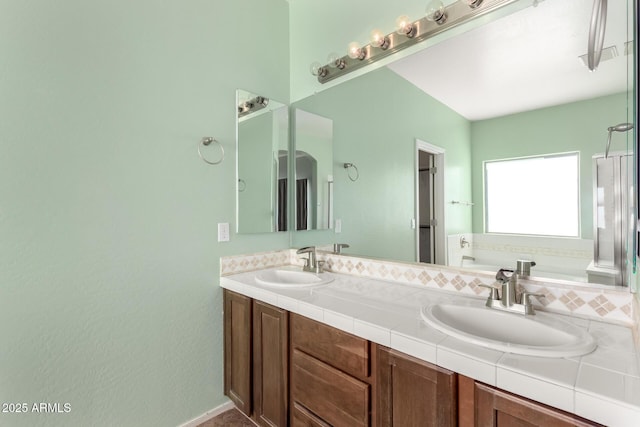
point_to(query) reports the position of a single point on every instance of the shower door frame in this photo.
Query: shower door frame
(620, 220)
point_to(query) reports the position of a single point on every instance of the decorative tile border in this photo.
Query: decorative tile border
(533, 250)
(610, 305)
(242, 263)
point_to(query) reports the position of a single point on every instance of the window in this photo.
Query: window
(533, 195)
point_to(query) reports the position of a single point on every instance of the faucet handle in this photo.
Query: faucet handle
(526, 300)
(337, 247)
(493, 292)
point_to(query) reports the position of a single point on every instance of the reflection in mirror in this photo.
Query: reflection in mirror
(513, 88)
(313, 141)
(262, 168)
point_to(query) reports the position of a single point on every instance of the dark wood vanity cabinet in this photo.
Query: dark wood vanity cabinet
(256, 337)
(332, 382)
(482, 405)
(412, 392)
(285, 369)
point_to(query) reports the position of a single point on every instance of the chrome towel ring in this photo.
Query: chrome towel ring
(351, 165)
(207, 140)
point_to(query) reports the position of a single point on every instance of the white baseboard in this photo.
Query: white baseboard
(209, 414)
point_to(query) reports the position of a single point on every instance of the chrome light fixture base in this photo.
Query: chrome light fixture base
(455, 14)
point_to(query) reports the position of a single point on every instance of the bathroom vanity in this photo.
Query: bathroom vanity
(355, 352)
(339, 379)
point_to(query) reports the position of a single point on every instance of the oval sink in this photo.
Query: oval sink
(292, 278)
(536, 335)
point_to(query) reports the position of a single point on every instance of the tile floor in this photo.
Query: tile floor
(231, 418)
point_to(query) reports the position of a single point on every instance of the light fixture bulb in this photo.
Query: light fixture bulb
(355, 51)
(318, 70)
(315, 68)
(435, 12)
(405, 27)
(379, 39)
(473, 3)
(335, 61)
(331, 59)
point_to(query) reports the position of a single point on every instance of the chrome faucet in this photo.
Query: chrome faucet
(509, 280)
(510, 300)
(311, 264)
(337, 247)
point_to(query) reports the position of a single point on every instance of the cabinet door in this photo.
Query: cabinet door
(498, 408)
(270, 364)
(412, 392)
(237, 350)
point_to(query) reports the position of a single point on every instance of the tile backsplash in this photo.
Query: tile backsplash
(602, 303)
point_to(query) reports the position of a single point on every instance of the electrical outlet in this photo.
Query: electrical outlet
(223, 232)
(338, 226)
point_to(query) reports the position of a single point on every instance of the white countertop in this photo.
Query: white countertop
(603, 386)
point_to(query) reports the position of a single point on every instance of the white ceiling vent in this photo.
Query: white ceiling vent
(607, 54)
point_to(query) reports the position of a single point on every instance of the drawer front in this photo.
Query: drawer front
(301, 417)
(341, 350)
(500, 408)
(332, 395)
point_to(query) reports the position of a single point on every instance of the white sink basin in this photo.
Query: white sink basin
(283, 278)
(537, 335)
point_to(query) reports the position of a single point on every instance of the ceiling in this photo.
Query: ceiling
(524, 61)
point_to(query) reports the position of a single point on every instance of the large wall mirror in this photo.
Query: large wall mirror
(513, 90)
(263, 158)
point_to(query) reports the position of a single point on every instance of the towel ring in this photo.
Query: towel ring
(207, 140)
(351, 165)
(242, 185)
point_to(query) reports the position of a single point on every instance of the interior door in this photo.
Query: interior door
(426, 207)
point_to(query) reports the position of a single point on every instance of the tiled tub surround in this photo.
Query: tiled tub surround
(380, 301)
(555, 257)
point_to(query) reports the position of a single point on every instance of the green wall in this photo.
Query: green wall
(377, 118)
(109, 297)
(579, 126)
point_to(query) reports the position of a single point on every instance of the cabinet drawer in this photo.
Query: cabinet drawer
(330, 394)
(301, 417)
(499, 408)
(340, 349)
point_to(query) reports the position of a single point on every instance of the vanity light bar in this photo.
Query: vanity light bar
(252, 105)
(447, 17)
